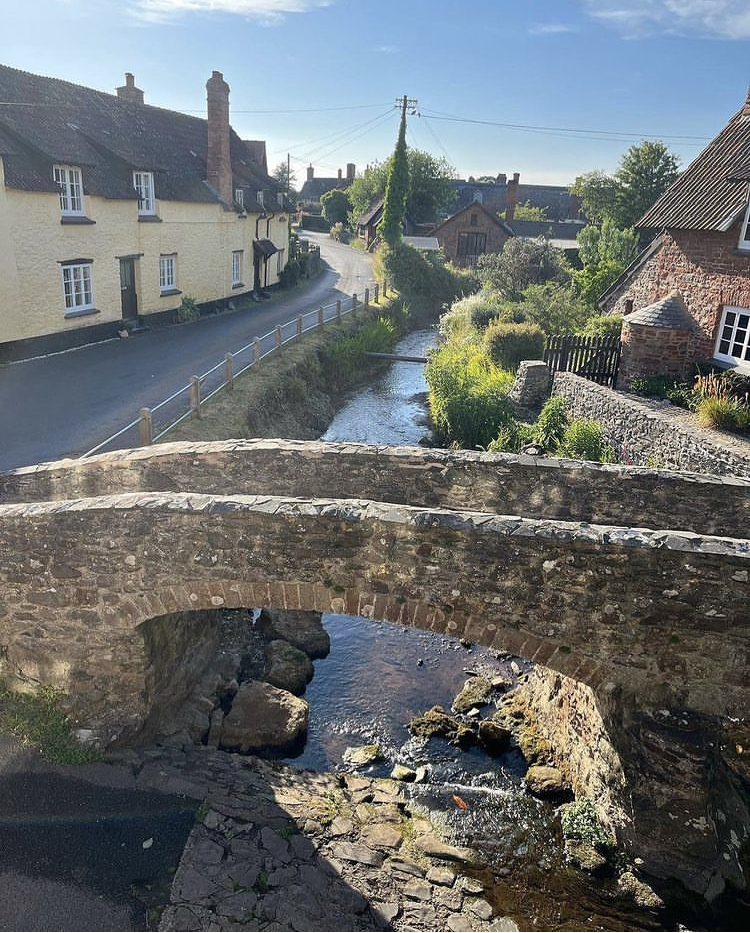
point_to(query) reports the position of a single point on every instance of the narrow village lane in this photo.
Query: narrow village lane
(63, 405)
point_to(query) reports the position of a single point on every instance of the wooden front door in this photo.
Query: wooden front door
(127, 290)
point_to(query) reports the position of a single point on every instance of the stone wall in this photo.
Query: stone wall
(656, 432)
(507, 484)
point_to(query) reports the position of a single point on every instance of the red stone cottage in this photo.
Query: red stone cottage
(687, 296)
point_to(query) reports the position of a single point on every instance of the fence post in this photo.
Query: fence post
(367, 298)
(376, 290)
(278, 336)
(385, 289)
(195, 396)
(338, 310)
(256, 349)
(354, 302)
(321, 315)
(229, 370)
(146, 428)
(300, 324)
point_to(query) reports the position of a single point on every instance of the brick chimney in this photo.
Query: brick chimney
(341, 175)
(129, 91)
(511, 197)
(218, 160)
(310, 173)
(351, 171)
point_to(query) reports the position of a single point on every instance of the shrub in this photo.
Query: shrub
(188, 310)
(584, 440)
(726, 414)
(417, 274)
(602, 325)
(581, 822)
(468, 395)
(551, 425)
(512, 436)
(508, 344)
(339, 232)
(346, 356)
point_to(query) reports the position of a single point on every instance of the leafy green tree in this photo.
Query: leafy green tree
(605, 252)
(598, 194)
(528, 211)
(431, 192)
(286, 178)
(336, 207)
(522, 263)
(644, 174)
(396, 190)
(555, 306)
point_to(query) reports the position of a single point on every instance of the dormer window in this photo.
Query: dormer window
(260, 199)
(239, 197)
(143, 182)
(745, 229)
(68, 179)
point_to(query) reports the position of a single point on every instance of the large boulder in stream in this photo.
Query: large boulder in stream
(476, 692)
(436, 722)
(287, 667)
(263, 717)
(302, 629)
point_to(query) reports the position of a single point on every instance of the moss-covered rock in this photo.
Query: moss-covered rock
(287, 667)
(477, 691)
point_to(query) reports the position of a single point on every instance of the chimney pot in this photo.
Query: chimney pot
(351, 171)
(129, 91)
(310, 173)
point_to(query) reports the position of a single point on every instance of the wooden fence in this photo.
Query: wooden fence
(594, 358)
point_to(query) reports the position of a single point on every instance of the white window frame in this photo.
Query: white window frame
(143, 182)
(239, 197)
(261, 199)
(236, 267)
(733, 338)
(68, 178)
(167, 272)
(78, 287)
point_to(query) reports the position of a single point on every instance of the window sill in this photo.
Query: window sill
(737, 366)
(741, 251)
(148, 219)
(238, 284)
(81, 312)
(165, 293)
(76, 219)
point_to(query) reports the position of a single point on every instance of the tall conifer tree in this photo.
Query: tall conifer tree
(396, 189)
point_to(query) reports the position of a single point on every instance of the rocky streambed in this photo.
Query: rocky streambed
(432, 829)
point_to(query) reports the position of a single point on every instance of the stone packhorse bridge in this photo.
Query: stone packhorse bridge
(633, 582)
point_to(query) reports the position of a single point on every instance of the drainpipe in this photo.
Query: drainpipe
(256, 259)
(268, 237)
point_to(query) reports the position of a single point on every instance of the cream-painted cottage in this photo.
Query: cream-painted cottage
(112, 210)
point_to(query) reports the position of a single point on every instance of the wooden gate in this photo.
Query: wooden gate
(594, 358)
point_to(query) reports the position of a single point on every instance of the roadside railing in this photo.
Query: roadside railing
(152, 424)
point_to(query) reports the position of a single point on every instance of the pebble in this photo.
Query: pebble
(281, 849)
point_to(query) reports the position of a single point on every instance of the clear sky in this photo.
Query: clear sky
(547, 88)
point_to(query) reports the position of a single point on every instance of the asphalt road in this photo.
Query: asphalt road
(65, 404)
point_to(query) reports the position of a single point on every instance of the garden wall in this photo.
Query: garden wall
(650, 432)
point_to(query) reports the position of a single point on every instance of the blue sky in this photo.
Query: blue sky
(547, 88)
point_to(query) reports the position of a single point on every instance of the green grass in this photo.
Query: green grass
(36, 719)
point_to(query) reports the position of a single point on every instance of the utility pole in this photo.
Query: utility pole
(406, 103)
(288, 173)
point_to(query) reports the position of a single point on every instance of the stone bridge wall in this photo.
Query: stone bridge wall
(506, 484)
(662, 614)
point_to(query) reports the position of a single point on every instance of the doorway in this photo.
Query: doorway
(128, 293)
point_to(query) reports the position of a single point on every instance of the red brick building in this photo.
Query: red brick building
(700, 260)
(470, 233)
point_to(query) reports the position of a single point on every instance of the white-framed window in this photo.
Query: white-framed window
(167, 273)
(280, 262)
(239, 196)
(77, 287)
(68, 178)
(143, 182)
(237, 267)
(261, 197)
(733, 340)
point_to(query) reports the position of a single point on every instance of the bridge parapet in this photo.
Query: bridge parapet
(506, 484)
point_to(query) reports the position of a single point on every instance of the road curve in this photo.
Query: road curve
(65, 404)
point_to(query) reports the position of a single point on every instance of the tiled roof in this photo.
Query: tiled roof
(368, 216)
(314, 188)
(475, 205)
(554, 229)
(44, 121)
(712, 191)
(668, 312)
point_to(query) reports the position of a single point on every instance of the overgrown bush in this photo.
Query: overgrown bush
(340, 233)
(508, 344)
(468, 396)
(421, 276)
(512, 436)
(345, 358)
(602, 325)
(584, 440)
(581, 822)
(188, 310)
(552, 423)
(726, 414)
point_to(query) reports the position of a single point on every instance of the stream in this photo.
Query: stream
(378, 676)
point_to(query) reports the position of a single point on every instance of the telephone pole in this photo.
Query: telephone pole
(406, 103)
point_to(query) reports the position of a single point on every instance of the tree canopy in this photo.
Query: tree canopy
(336, 207)
(396, 189)
(431, 193)
(644, 173)
(522, 263)
(286, 178)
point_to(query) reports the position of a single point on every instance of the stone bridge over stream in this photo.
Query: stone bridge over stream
(630, 581)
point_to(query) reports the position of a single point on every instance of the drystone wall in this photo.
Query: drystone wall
(650, 432)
